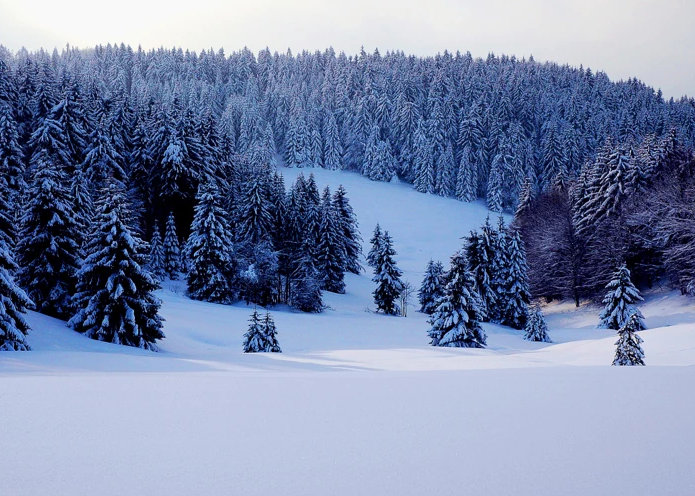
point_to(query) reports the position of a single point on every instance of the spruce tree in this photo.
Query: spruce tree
(306, 285)
(620, 302)
(156, 261)
(516, 293)
(270, 334)
(13, 300)
(348, 226)
(172, 249)
(208, 249)
(330, 251)
(535, 328)
(114, 300)
(456, 319)
(432, 288)
(254, 339)
(374, 251)
(48, 251)
(629, 351)
(387, 276)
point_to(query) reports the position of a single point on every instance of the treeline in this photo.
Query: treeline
(633, 204)
(165, 120)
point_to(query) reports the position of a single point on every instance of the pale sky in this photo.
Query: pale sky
(653, 40)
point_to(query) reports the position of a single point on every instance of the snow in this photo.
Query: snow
(357, 403)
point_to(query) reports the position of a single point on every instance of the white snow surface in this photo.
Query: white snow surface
(358, 403)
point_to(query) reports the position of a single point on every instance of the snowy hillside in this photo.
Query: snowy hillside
(357, 403)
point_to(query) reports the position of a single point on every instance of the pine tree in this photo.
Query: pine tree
(270, 334)
(13, 301)
(480, 253)
(348, 226)
(516, 293)
(387, 276)
(254, 339)
(629, 351)
(114, 300)
(156, 261)
(535, 328)
(374, 251)
(306, 285)
(456, 319)
(332, 148)
(48, 251)
(208, 250)
(467, 178)
(620, 300)
(330, 251)
(432, 288)
(172, 249)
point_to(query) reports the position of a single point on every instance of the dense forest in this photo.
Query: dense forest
(101, 148)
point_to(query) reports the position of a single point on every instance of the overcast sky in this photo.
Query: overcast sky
(653, 40)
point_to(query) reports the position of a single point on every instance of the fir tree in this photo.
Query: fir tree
(432, 288)
(156, 261)
(456, 319)
(306, 285)
(348, 226)
(114, 300)
(330, 251)
(208, 250)
(629, 351)
(48, 251)
(516, 293)
(254, 339)
(374, 251)
(535, 328)
(620, 302)
(172, 249)
(13, 301)
(387, 276)
(270, 334)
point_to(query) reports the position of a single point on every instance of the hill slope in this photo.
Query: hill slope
(357, 403)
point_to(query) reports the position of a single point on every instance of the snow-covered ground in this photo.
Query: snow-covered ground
(357, 403)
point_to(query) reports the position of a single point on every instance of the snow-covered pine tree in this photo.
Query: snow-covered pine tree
(466, 178)
(535, 328)
(208, 249)
(620, 302)
(432, 287)
(330, 251)
(114, 300)
(332, 148)
(350, 231)
(13, 300)
(500, 271)
(254, 338)
(374, 251)
(156, 261)
(270, 334)
(306, 286)
(480, 253)
(516, 293)
(456, 320)
(387, 276)
(629, 351)
(172, 249)
(48, 251)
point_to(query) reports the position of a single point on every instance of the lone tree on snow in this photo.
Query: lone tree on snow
(261, 335)
(536, 328)
(620, 300)
(387, 276)
(629, 351)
